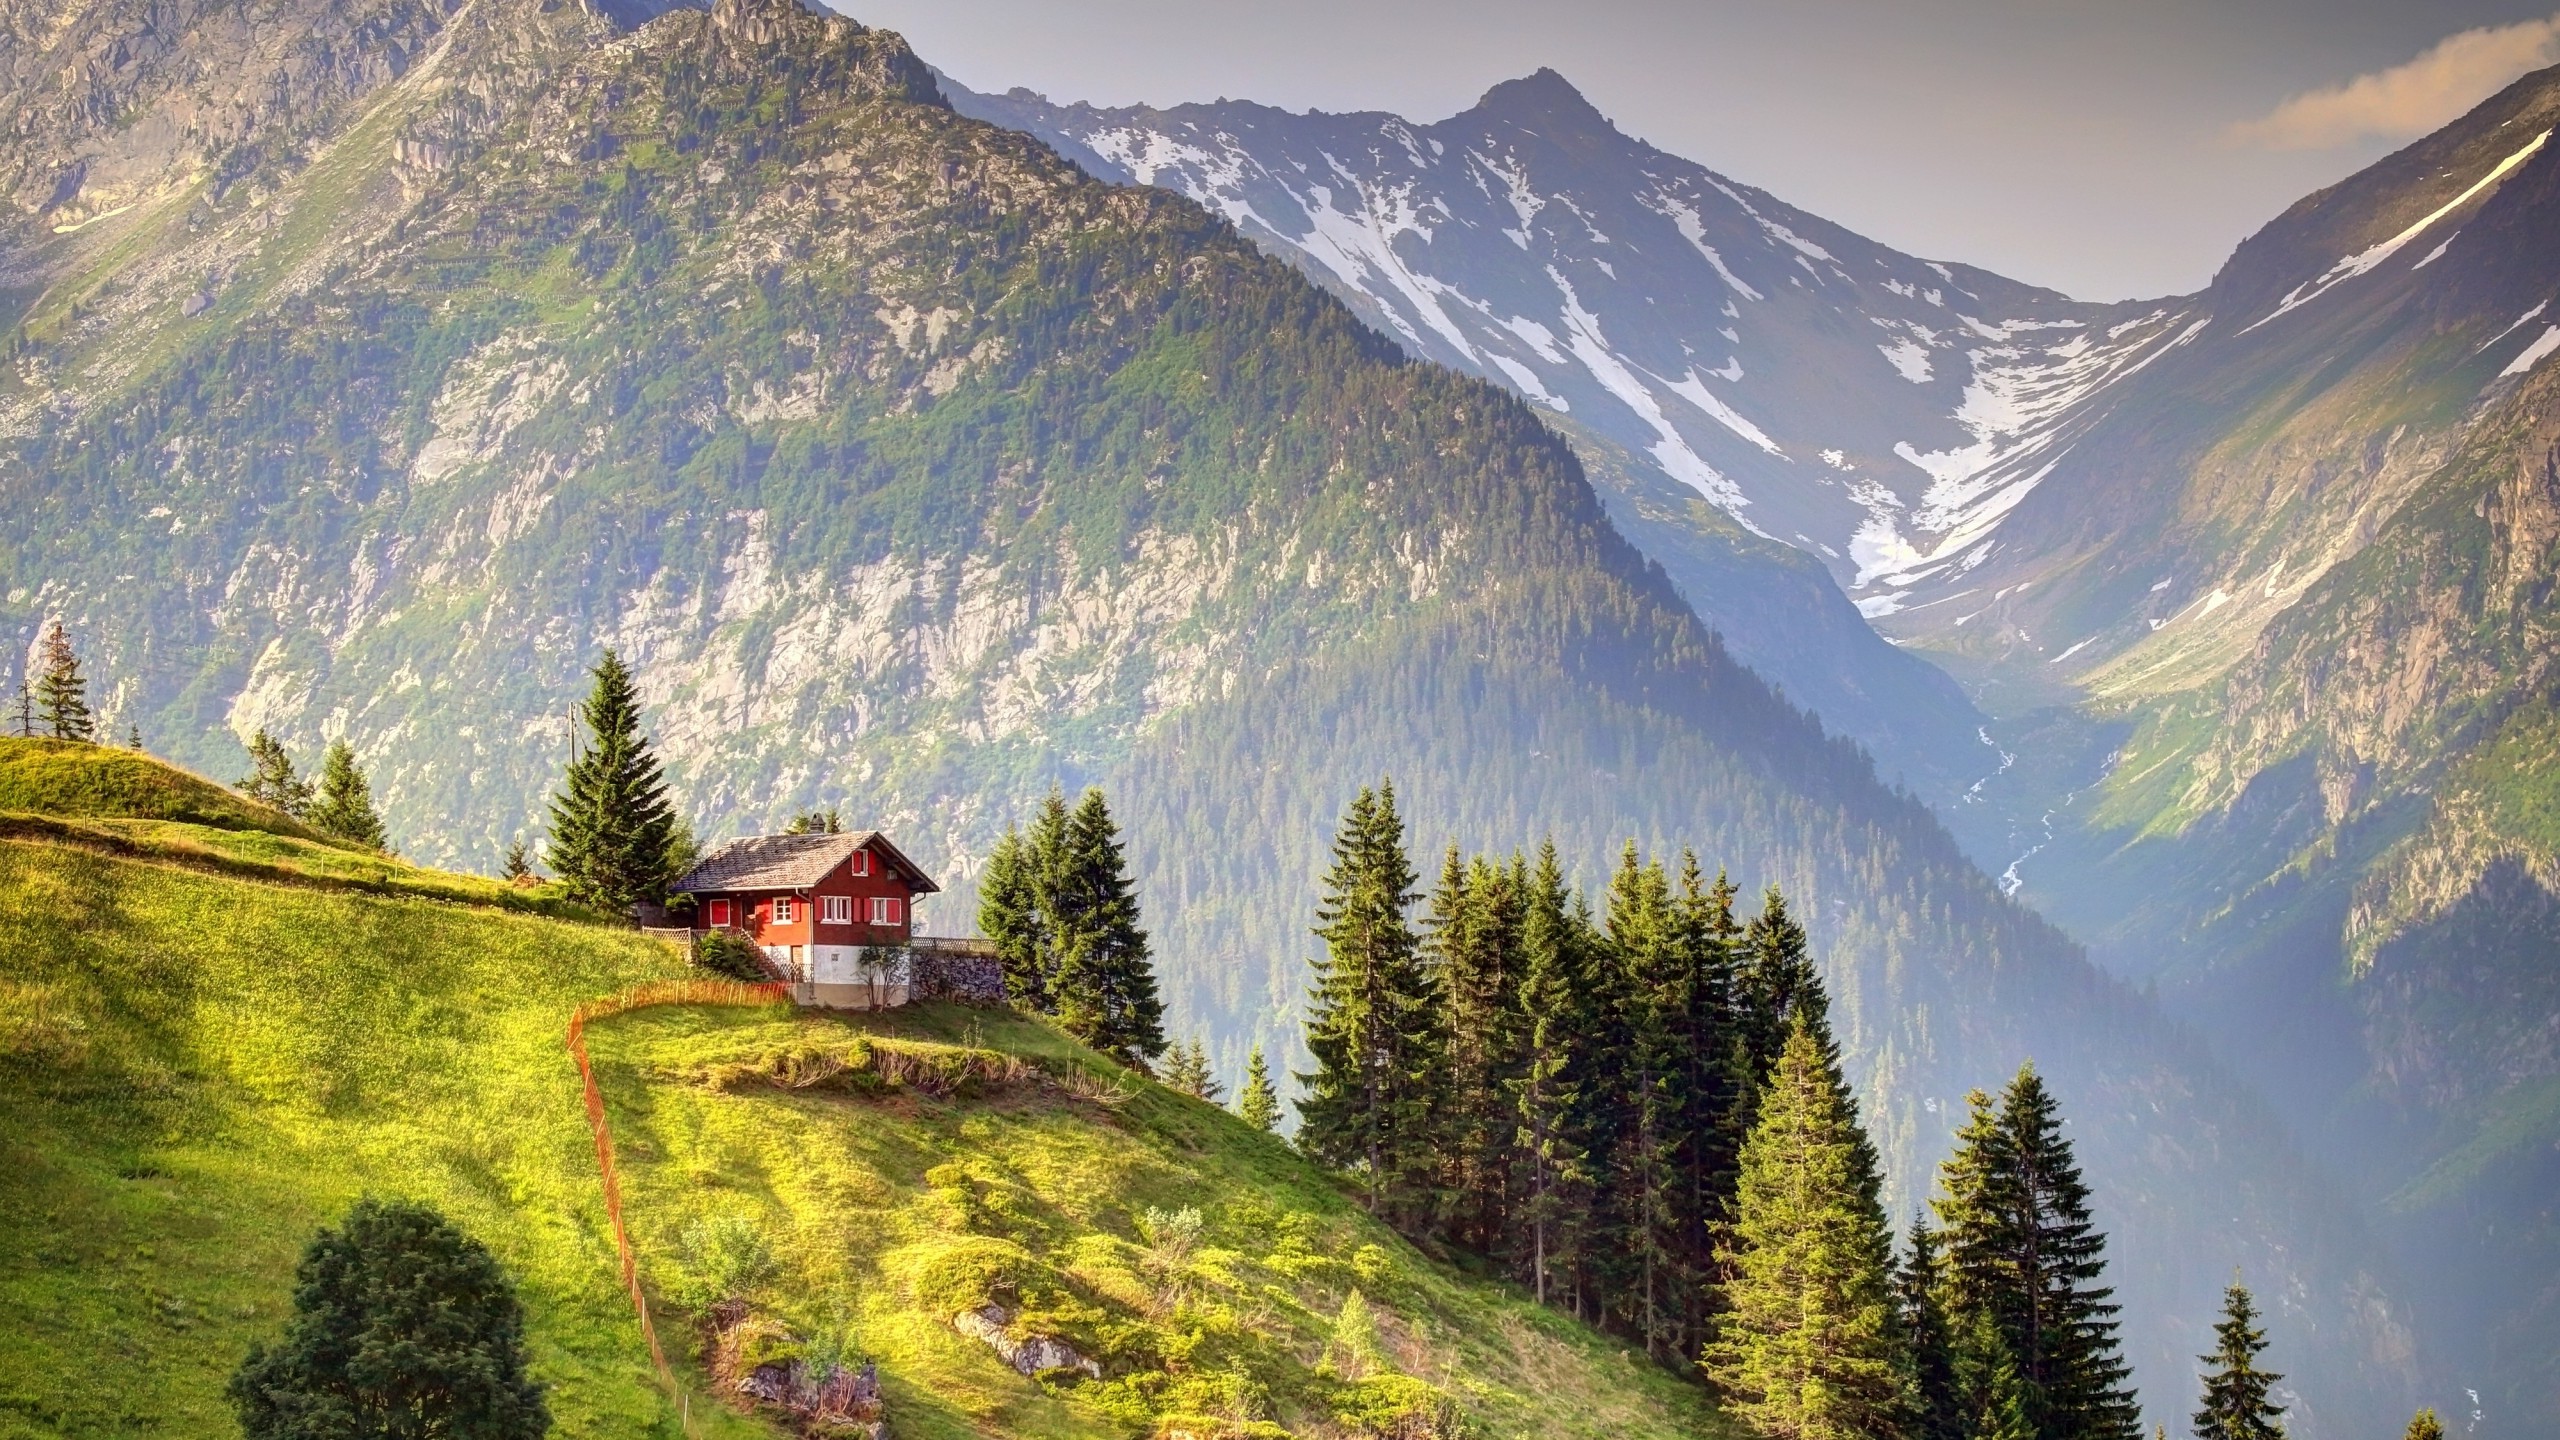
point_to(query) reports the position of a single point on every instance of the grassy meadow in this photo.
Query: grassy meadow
(214, 1037)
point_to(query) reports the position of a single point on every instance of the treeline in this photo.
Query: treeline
(1639, 1113)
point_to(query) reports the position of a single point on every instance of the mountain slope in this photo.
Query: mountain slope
(1731, 369)
(197, 1071)
(914, 471)
(2303, 573)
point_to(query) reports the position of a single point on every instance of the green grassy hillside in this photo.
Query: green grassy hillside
(59, 777)
(198, 1068)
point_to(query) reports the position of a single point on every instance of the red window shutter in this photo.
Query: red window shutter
(719, 912)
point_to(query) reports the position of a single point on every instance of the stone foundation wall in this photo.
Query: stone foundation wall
(964, 971)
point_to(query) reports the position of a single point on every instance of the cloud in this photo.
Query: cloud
(2407, 100)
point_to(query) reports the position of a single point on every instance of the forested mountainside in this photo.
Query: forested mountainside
(914, 471)
(1737, 375)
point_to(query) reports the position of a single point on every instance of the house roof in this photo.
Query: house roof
(791, 862)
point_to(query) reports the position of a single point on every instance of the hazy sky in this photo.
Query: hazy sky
(2110, 148)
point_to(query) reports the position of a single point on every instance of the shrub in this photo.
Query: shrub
(722, 953)
(721, 1259)
(402, 1325)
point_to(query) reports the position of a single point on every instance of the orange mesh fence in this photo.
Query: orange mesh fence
(641, 997)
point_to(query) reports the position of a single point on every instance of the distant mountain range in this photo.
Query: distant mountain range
(2259, 581)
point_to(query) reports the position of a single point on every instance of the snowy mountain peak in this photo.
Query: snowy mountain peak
(1721, 337)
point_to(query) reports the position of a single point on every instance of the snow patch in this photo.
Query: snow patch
(1693, 230)
(2363, 262)
(1909, 357)
(2535, 353)
(1527, 382)
(1695, 391)
(1671, 451)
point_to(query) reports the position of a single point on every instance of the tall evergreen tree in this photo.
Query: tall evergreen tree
(1646, 1166)
(1013, 913)
(2424, 1426)
(1105, 984)
(1716, 1099)
(62, 692)
(1807, 1347)
(402, 1326)
(272, 780)
(517, 866)
(1257, 1103)
(1777, 980)
(612, 828)
(1472, 922)
(1373, 1022)
(2236, 1403)
(345, 807)
(1928, 1343)
(1549, 1160)
(2023, 1253)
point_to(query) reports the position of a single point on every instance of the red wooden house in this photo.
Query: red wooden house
(834, 912)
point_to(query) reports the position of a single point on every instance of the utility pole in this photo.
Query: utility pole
(26, 711)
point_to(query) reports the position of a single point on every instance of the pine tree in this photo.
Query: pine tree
(1777, 980)
(272, 780)
(1716, 1099)
(133, 737)
(1550, 1163)
(1928, 1343)
(1186, 1068)
(1994, 1397)
(1472, 922)
(1807, 1347)
(816, 822)
(2023, 1254)
(1105, 987)
(1372, 1023)
(518, 865)
(2236, 1404)
(62, 693)
(612, 828)
(2424, 1426)
(1257, 1103)
(1013, 915)
(1647, 1164)
(345, 807)
(26, 711)
(402, 1326)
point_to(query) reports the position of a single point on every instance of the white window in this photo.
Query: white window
(719, 911)
(861, 862)
(781, 909)
(838, 908)
(884, 910)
